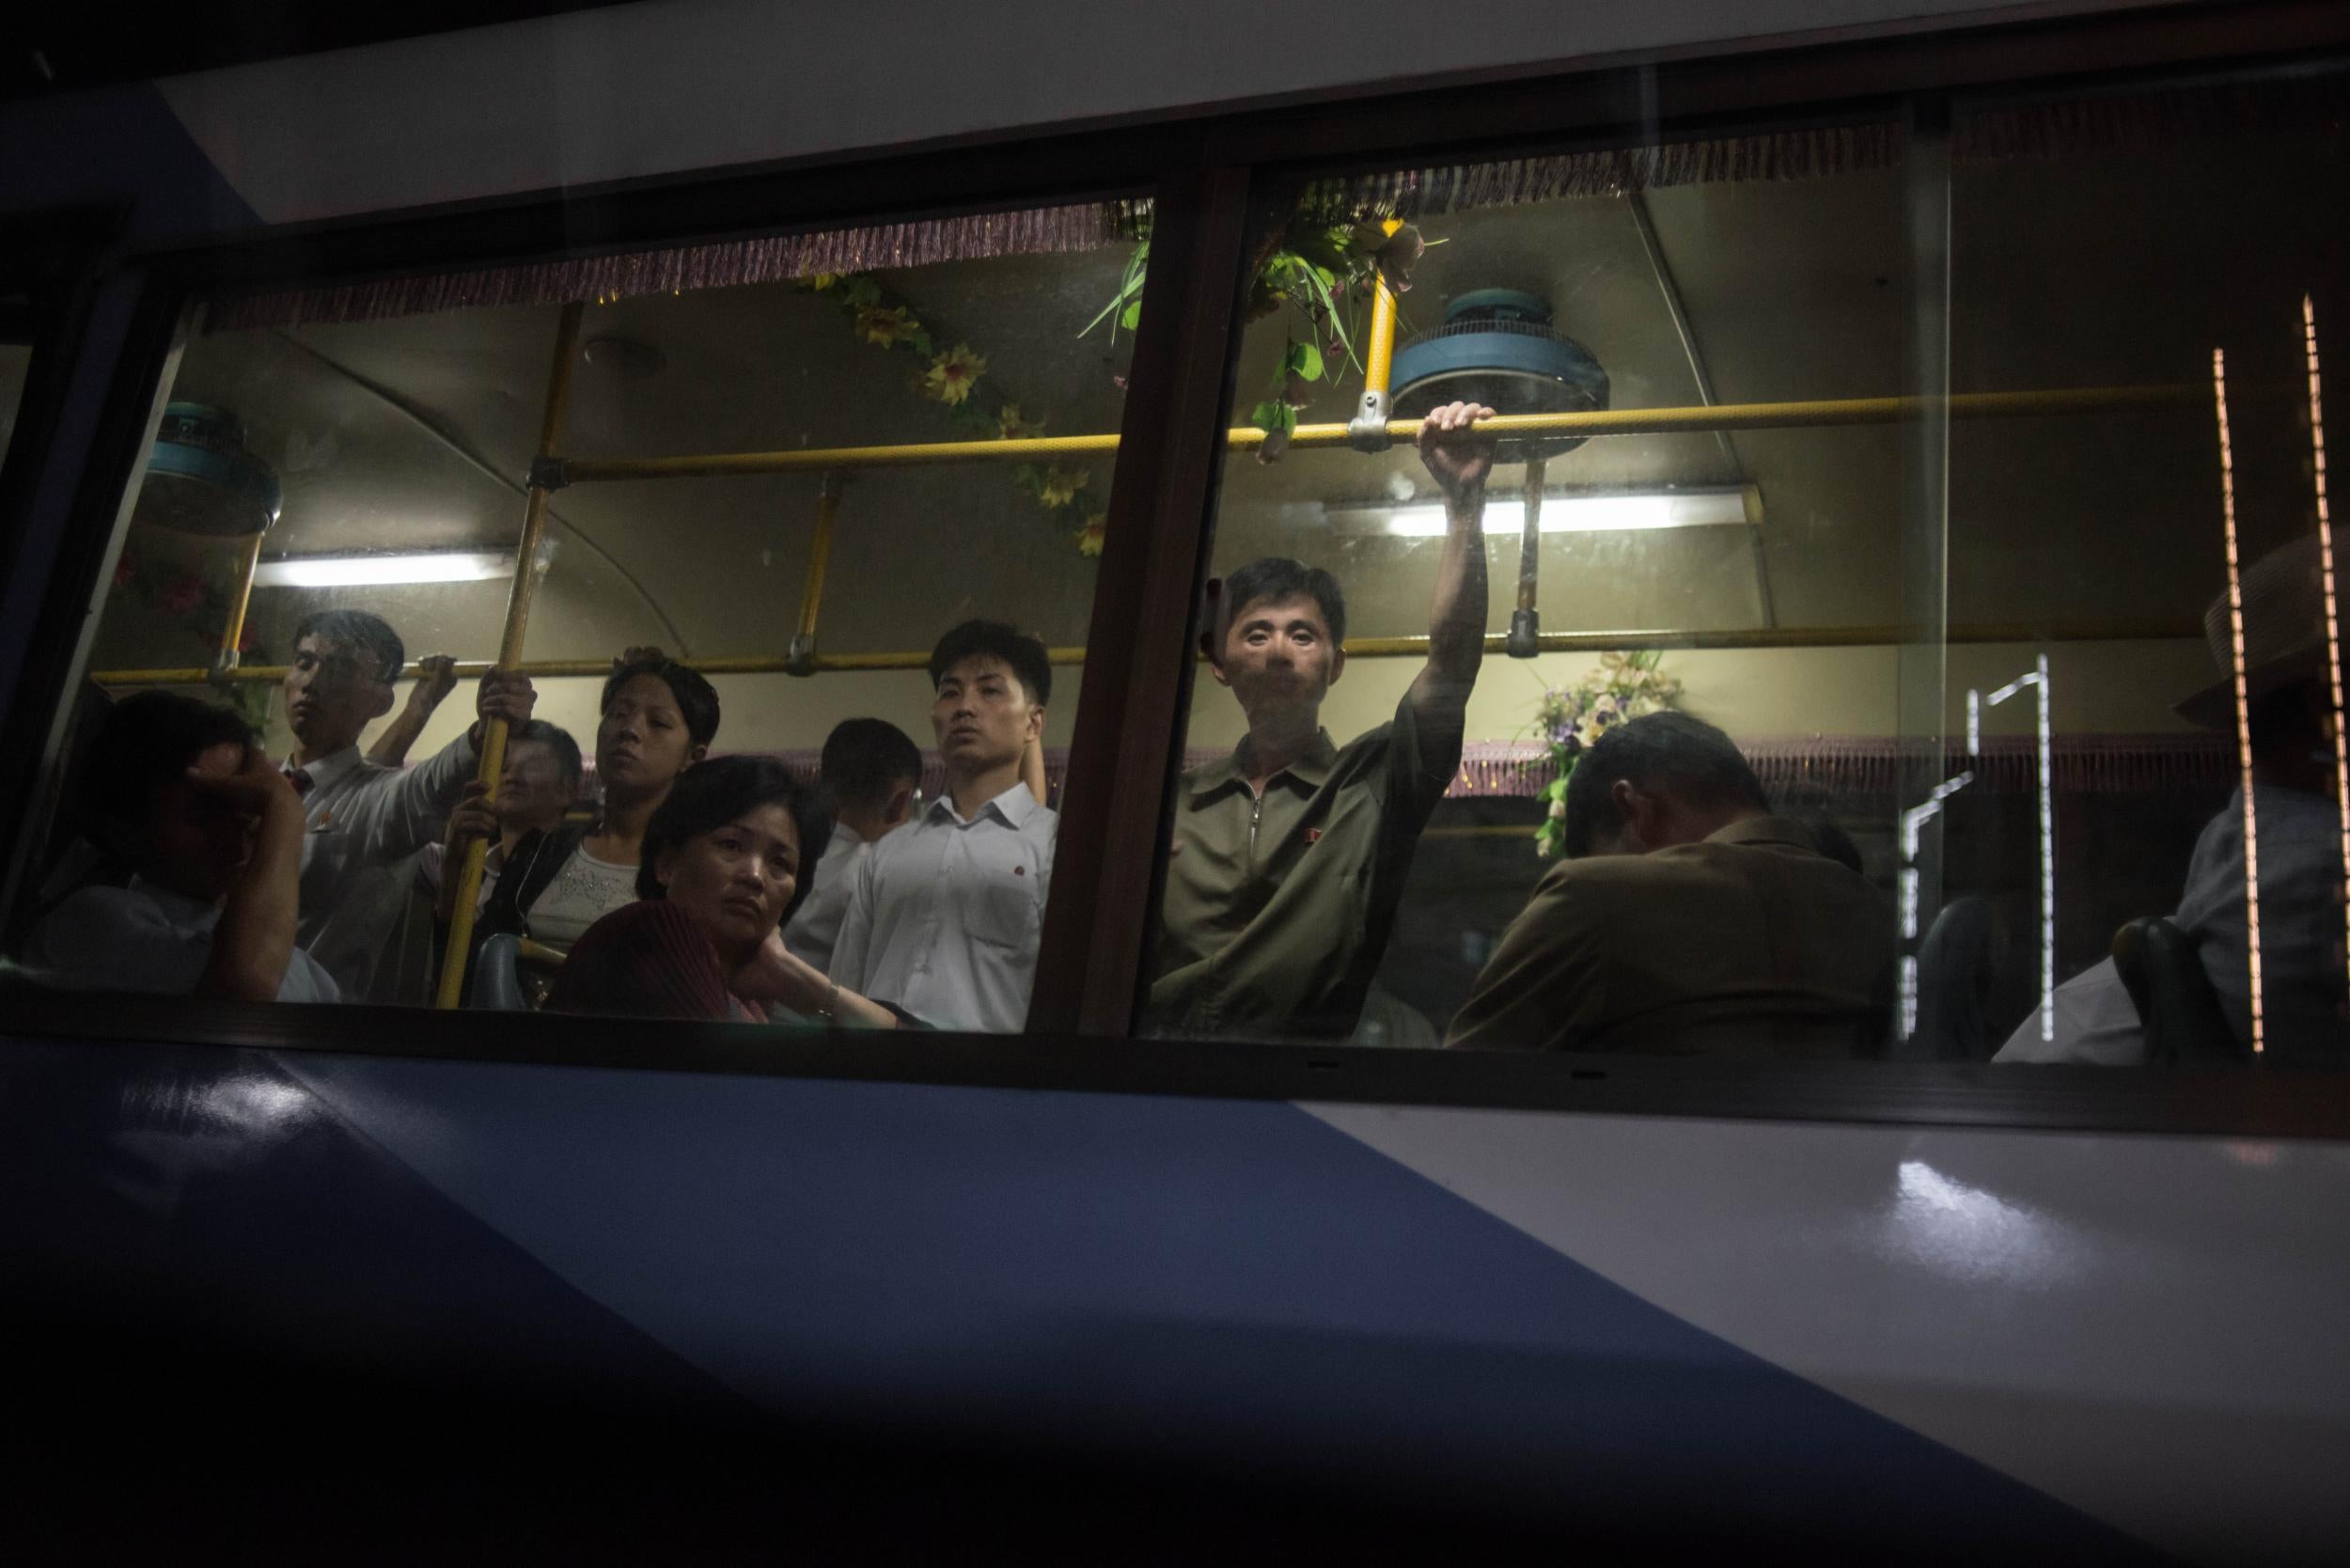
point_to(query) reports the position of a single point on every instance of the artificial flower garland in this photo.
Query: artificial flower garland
(957, 377)
(1322, 271)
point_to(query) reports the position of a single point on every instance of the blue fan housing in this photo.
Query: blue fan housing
(1497, 347)
(201, 481)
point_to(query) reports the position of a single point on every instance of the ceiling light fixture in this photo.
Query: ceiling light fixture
(1570, 511)
(364, 570)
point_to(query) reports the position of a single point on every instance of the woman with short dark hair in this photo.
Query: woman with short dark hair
(658, 720)
(727, 859)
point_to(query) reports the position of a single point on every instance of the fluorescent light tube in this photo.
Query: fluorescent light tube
(1575, 513)
(441, 566)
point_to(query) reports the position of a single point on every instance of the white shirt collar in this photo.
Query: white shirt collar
(329, 768)
(1014, 805)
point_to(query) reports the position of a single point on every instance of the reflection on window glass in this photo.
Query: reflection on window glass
(778, 739)
(1805, 725)
(15, 359)
(2110, 892)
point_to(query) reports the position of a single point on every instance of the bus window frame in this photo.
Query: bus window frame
(1202, 171)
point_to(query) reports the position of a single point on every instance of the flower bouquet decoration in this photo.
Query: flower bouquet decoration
(1572, 718)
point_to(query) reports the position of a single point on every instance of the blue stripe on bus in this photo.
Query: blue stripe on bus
(1232, 1277)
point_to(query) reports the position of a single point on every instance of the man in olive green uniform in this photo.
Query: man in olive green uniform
(1685, 919)
(1290, 855)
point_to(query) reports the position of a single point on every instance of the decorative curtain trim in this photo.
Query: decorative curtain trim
(2119, 122)
(2310, 105)
(726, 264)
(2316, 104)
(1457, 187)
(1827, 764)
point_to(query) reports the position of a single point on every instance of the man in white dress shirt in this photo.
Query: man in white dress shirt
(946, 915)
(872, 769)
(182, 792)
(360, 817)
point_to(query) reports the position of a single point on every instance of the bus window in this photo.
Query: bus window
(1758, 599)
(783, 577)
(2087, 891)
(16, 358)
(1408, 652)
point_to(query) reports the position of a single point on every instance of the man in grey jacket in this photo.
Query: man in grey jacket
(361, 818)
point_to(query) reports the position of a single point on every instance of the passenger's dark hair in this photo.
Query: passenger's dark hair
(556, 739)
(711, 795)
(148, 740)
(1278, 577)
(1657, 754)
(867, 759)
(697, 699)
(997, 640)
(361, 631)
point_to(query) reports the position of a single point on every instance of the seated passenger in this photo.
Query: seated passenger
(360, 817)
(720, 874)
(948, 912)
(537, 788)
(659, 718)
(870, 769)
(1685, 919)
(184, 793)
(1289, 858)
(2298, 823)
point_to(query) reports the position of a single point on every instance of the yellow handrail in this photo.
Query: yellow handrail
(1618, 421)
(2128, 629)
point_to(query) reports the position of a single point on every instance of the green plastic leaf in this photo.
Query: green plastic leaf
(1129, 293)
(1305, 360)
(1131, 317)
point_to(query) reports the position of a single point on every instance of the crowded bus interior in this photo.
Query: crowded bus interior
(1815, 589)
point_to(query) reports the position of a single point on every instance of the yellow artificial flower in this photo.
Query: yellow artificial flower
(953, 374)
(1009, 426)
(1061, 485)
(885, 325)
(1090, 536)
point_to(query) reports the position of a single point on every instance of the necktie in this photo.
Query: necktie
(300, 778)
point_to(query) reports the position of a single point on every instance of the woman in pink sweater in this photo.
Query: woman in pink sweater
(726, 861)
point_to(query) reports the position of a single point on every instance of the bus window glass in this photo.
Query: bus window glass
(1815, 714)
(789, 696)
(15, 360)
(2085, 892)
(1407, 654)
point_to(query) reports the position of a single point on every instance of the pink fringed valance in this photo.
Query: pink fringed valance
(2115, 122)
(2314, 105)
(776, 258)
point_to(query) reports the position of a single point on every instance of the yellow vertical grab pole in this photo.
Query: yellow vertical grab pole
(232, 635)
(1379, 348)
(800, 658)
(1367, 431)
(510, 651)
